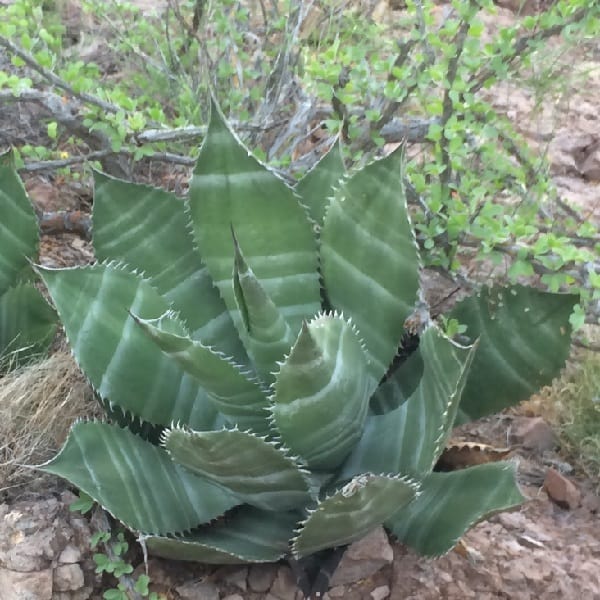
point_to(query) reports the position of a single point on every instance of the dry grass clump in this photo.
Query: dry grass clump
(38, 404)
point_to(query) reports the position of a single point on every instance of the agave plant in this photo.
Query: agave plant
(27, 323)
(245, 344)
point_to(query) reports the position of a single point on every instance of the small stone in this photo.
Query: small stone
(590, 167)
(337, 592)
(284, 586)
(238, 578)
(591, 502)
(380, 593)
(68, 578)
(260, 577)
(364, 558)
(233, 597)
(533, 433)
(193, 590)
(561, 490)
(69, 555)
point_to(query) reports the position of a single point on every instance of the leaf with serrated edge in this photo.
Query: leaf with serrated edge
(369, 257)
(136, 481)
(249, 535)
(316, 187)
(410, 438)
(123, 365)
(230, 188)
(322, 392)
(268, 337)
(399, 386)
(524, 340)
(130, 222)
(359, 507)
(451, 503)
(27, 323)
(239, 398)
(19, 236)
(255, 470)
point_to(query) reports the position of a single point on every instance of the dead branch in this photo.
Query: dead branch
(77, 222)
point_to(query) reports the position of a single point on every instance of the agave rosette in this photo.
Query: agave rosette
(241, 341)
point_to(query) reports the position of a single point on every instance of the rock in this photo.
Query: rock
(260, 577)
(70, 555)
(561, 490)
(194, 590)
(590, 168)
(363, 558)
(238, 578)
(380, 593)
(533, 433)
(284, 586)
(16, 585)
(41, 547)
(68, 578)
(230, 597)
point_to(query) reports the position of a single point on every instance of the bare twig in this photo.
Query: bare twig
(66, 112)
(49, 76)
(64, 221)
(448, 106)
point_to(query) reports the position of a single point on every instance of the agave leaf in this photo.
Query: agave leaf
(351, 513)
(525, 338)
(148, 229)
(268, 337)
(315, 188)
(249, 535)
(399, 386)
(322, 392)
(136, 481)
(125, 368)
(232, 392)
(230, 188)
(18, 228)
(410, 438)
(369, 257)
(450, 503)
(27, 323)
(256, 471)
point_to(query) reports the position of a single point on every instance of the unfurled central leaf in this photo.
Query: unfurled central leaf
(230, 188)
(322, 392)
(267, 336)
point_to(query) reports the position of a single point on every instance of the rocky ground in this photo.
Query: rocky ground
(549, 548)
